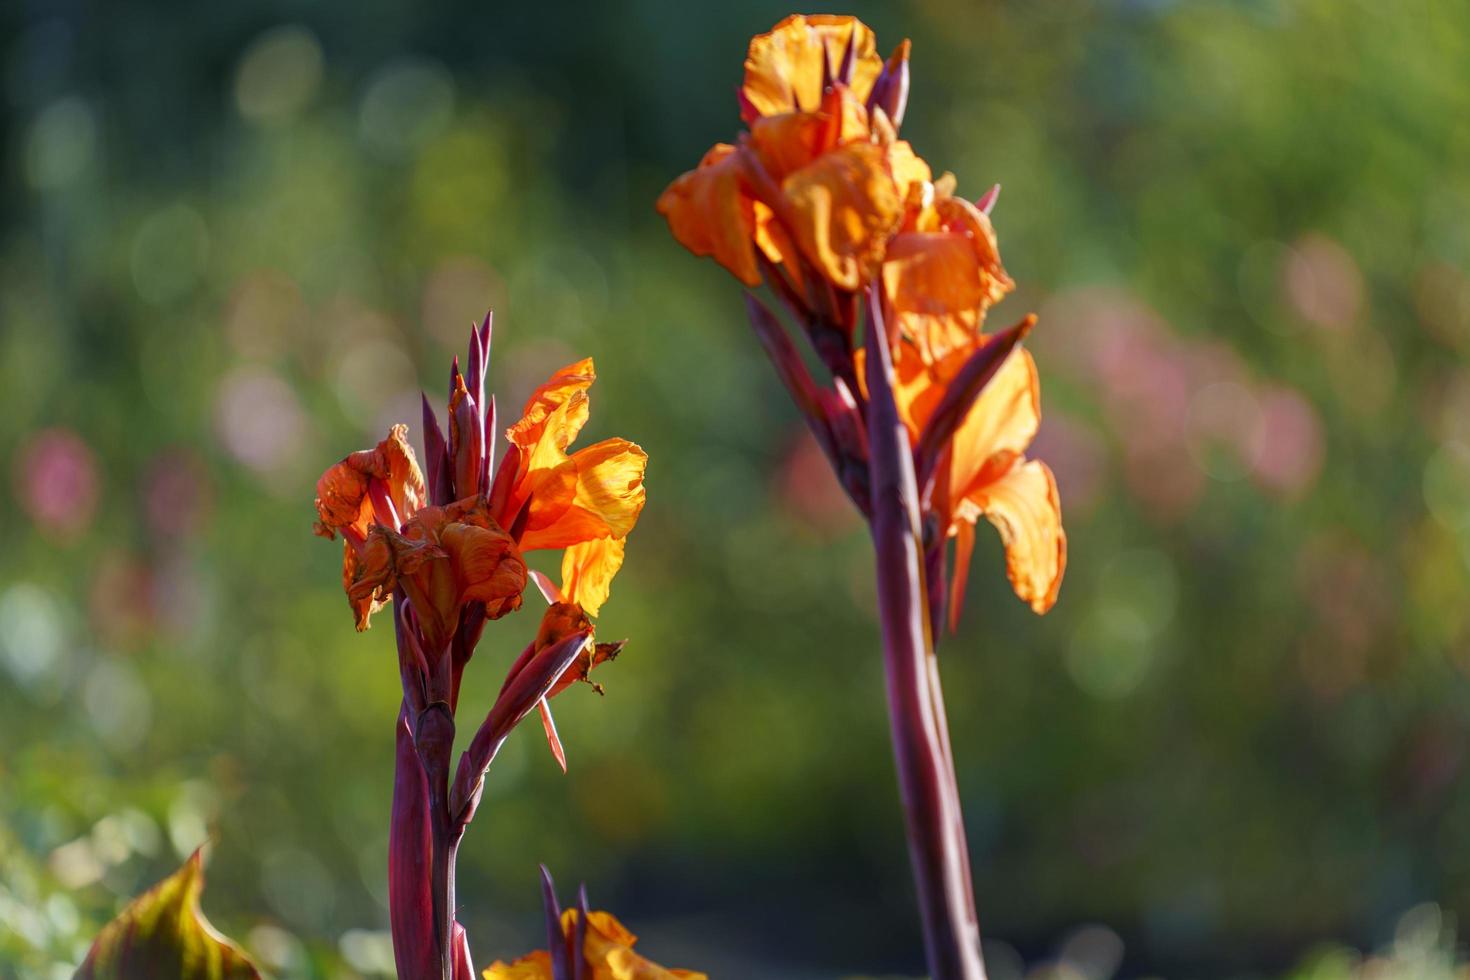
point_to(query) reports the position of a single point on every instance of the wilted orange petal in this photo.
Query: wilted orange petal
(844, 206)
(370, 574)
(342, 500)
(486, 565)
(710, 213)
(401, 472)
(784, 68)
(369, 598)
(1026, 510)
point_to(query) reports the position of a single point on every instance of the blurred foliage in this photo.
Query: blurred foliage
(237, 241)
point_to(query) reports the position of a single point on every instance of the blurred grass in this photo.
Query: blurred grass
(237, 242)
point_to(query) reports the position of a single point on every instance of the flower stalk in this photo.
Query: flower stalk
(445, 550)
(927, 785)
(924, 417)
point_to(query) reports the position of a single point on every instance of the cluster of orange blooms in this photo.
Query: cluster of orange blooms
(464, 550)
(821, 200)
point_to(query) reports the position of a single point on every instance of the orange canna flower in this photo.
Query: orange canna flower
(382, 485)
(984, 470)
(942, 271)
(819, 182)
(556, 500)
(444, 558)
(345, 493)
(608, 948)
(787, 67)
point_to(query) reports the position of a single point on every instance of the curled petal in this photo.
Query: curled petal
(786, 67)
(486, 565)
(1026, 510)
(710, 212)
(343, 501)
(844, 206)
(562, 387)
(792, 140)
(385, 558)
(371, 597)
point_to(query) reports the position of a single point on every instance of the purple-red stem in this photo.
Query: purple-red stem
(926, 777)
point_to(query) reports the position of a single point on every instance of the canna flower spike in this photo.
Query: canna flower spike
(925, 419)
(583, 945)
(795, 206)
(445, 546)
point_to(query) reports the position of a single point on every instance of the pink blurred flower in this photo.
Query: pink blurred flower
(259, 419)
(1287, 446)
(1322, 282)
(57, 482)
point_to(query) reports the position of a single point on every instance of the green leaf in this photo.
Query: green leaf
(162, 933)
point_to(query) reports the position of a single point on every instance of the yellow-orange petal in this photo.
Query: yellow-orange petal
(784, 67)
(609, 948)
(961, 217)
(1002, 423)
(1025, 508)
(934, 286)
(534, 966)
(710, 213)
(844, 206)
(587, 571)
(910, 171)
(607, 497)
(563, 386)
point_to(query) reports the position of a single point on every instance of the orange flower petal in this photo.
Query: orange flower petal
(486, 565)
(710, 213)
(845, 205)
(607, 496)
(342, 499)
(372, 596)
(933, 285)
(1025, 508)
(587, 571)
(784, 68)
(1002, 423)
(533, 966)
(910, 171)
(557, 391)
(608, 948)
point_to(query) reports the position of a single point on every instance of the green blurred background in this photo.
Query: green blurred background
(237, 240)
